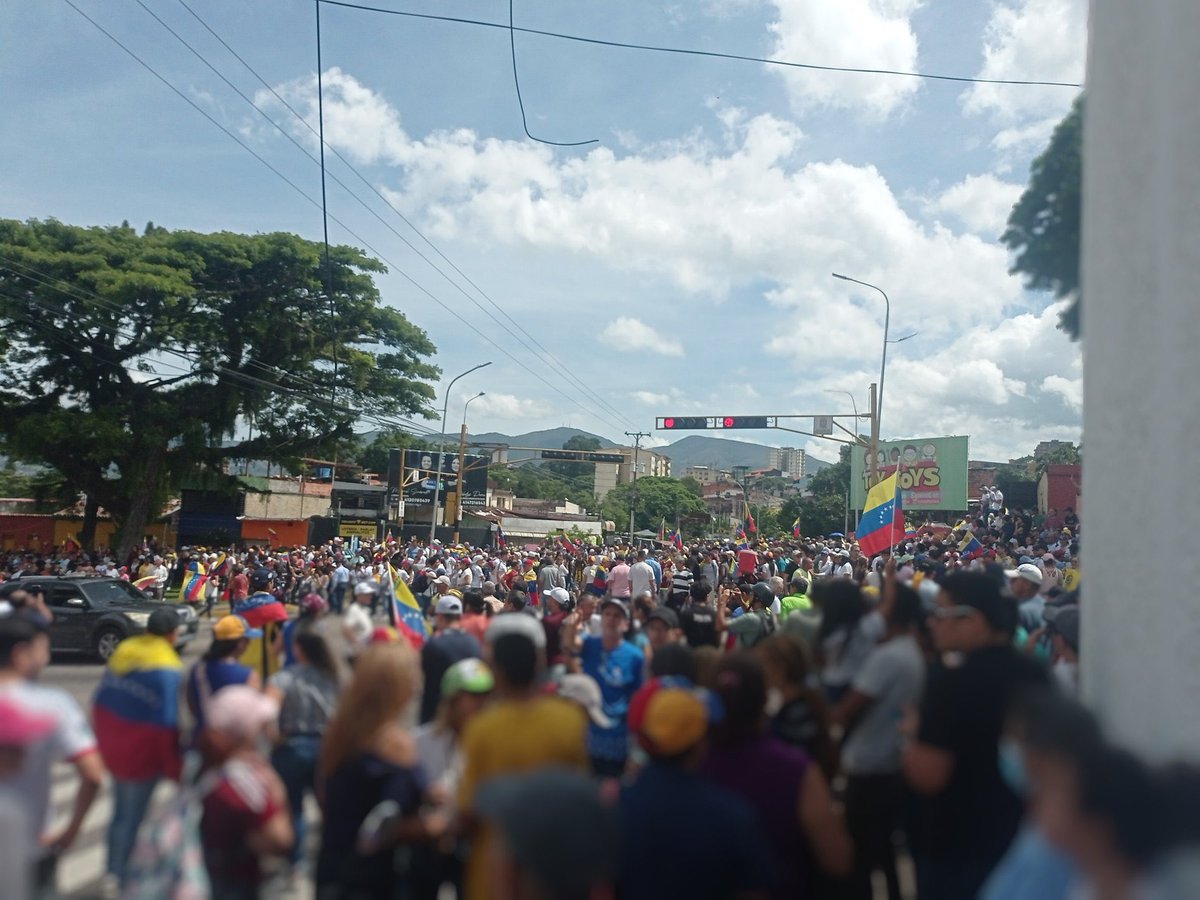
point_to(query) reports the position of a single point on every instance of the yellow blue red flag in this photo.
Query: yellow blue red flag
(882, 521)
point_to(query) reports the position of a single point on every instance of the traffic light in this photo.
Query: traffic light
(683, 423)
(742, 422)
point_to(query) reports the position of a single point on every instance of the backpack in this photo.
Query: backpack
(168, 859)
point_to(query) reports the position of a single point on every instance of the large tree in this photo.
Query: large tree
(1043, 228)
(129, 362)
(654, 498)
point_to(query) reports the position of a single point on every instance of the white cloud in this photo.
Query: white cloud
(1039, 40)
(508, 406)
(856, 33)
(707, 219)
(981, 202)
(626, 334)
(650, 398)
(688, 223)
(1070, 389)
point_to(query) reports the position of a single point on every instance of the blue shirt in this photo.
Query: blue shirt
(619, 674)
(683, 836)
(1031, 870)
(219, 673)
(657, 570)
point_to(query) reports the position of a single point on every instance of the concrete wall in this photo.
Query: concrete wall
(1141, 271)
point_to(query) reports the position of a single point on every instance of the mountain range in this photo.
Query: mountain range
(693, 450)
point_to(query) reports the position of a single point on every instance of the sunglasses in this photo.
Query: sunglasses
(954, 612)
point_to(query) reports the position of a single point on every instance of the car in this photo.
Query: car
(92, 614)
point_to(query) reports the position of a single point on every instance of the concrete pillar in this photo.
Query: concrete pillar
(1141, 322)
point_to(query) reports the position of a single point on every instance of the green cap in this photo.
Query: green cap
(469, 675)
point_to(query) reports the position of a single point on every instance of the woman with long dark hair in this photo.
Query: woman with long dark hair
(789, 794)
(221, 666)
(849, 629)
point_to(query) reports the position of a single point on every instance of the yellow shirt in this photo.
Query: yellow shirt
(1071, 578)
(515, 736)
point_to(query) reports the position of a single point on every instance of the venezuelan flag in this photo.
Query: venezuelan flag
(883, 518)
(404, 611)
(796, 527)
(221, 567)
(192, 590)
(970, 547)
(136, 709)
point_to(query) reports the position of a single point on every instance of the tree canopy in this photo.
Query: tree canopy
(1043, 229)
(129, 362)
(657, 499)
(824, 511)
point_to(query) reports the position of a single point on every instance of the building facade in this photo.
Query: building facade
(649, 465)
(788, 460)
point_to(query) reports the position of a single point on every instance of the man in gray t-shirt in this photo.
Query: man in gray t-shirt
(889, 681)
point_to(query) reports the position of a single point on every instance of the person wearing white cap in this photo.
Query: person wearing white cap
(356, 623)
(1025, 582)
(449, 645)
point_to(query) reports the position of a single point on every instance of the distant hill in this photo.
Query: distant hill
(722, 453)
(550, 439)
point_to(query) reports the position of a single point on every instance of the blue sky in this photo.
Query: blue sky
(680, 265)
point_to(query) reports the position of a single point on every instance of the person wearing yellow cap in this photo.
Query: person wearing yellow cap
(220, 666)
(681, 834)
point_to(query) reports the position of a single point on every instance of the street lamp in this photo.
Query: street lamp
(437, 484)
(887, 316)
(469, 402)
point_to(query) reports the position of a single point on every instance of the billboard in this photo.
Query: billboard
(933, 472)
(420, 478)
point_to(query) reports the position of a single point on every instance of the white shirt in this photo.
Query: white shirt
(71, 738)
(357, 621)
(641, 579)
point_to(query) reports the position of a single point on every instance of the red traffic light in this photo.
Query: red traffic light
(668, 423)
(729, 421)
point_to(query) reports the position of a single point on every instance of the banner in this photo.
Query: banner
(932, 472)
(420, 477)
(358, 530)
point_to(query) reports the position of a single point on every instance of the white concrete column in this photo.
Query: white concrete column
(1141, 323)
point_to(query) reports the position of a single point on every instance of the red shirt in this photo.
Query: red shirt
(239, 805)
(475, 624)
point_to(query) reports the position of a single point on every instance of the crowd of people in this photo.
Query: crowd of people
(760, 719)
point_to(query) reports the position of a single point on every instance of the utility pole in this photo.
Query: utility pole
(637, 445)
(462, 452)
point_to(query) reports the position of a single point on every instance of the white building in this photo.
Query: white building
(788, 460)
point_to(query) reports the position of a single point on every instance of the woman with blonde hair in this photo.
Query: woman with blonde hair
(369, 770)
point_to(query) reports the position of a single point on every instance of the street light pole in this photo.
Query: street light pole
(887, 317)
(437, 484)
(462, 454)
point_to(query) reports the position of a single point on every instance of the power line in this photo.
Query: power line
(512, 45)
(712, 54)
(547, 354)
(315, 203)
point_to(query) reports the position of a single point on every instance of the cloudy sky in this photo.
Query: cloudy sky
(680, 265)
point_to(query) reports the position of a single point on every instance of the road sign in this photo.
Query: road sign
(822, 425)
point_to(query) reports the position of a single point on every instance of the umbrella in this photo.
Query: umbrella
(837, 534)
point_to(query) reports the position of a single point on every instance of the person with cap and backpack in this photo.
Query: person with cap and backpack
(135, 715)
(220, 667)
